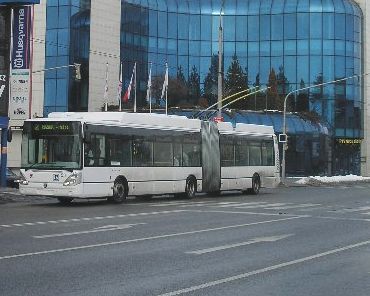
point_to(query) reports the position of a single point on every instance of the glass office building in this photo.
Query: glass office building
(67, 42)
(285, 45)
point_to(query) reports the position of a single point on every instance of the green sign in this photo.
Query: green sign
(52, 128)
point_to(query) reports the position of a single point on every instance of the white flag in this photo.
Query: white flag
(149, 84)
(165, 83)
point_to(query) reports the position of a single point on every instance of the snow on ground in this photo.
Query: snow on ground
(334, 179)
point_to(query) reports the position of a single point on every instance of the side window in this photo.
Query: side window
(268, 153)
(191, 154)
(227, 152)
(95, 152)
(177, 154)
(255, 154)
(241, 153)
(142, 152)
(163, 153)
(120, 151)
(115, 152)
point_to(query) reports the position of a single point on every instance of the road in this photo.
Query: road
(285, 242)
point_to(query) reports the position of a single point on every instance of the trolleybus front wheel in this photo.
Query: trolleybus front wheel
(119, 191)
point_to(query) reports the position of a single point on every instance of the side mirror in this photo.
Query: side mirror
(9, 134)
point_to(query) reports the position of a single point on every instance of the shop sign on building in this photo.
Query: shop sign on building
(19, 103)
(3, 94)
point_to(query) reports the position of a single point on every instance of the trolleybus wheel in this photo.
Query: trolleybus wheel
(191, 187)
(256, 184)
(119, 192)
(65, 200)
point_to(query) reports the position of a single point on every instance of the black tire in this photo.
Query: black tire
(119, 192)
(191, 187)
(65, 200)
(256, 185)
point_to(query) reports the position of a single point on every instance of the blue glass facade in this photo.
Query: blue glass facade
(285, 45)
(67, 42)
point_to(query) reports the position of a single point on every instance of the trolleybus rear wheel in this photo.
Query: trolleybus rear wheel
(191, 187)
(256, 184)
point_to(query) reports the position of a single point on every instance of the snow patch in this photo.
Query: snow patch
(312, 180)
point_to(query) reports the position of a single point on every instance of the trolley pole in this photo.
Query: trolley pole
(220, 56)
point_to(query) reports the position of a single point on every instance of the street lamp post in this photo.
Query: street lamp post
(285, 147)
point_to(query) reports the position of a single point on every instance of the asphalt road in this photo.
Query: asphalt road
(285, 242)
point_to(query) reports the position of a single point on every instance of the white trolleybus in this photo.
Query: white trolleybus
(114, 155)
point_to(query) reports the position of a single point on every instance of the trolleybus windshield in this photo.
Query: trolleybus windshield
(52, 145)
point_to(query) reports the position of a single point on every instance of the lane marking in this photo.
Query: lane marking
(264, 270)
(359, 209)
(89, 219)
(255, 204)
(293, 206)
(252, 213)
(98, 229)
(250, 242)
(143, 239)
(262, 206)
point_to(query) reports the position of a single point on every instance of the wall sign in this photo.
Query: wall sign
(20, 64)
(349, 141)
(3, 94)
(22, 2)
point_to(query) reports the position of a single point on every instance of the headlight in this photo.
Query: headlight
(73, 179)
(22, 180)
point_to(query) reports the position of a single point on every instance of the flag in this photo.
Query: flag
(149, 86)
(119, 90)
(165, 83)
(106, 85)
(126, 97)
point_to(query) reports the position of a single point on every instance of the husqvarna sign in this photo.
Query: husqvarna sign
(20, 63)
(22, 2)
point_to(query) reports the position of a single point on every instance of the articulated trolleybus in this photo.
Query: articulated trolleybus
(114, 155)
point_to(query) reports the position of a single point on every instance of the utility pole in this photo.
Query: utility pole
(220, 56)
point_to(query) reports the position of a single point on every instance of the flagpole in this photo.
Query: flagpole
(106, 88)
(149, 91)
(120, 89)
(135, 88)
(166, 79)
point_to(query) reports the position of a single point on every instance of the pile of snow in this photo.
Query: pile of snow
(313, 180)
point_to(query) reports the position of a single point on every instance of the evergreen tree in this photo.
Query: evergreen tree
(302, 102)
(211, 80)
(194, 86)
(236, 81)
(272, 93)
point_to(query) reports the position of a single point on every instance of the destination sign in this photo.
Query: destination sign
(53, 128)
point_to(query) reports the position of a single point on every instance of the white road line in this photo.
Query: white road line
(143, 239)
(359, 209)
(89, 219)
(262, 206)
(253, 213)
(250, 242)
(293, 207)
(98, 229)
(234, 205)
(264, 270)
